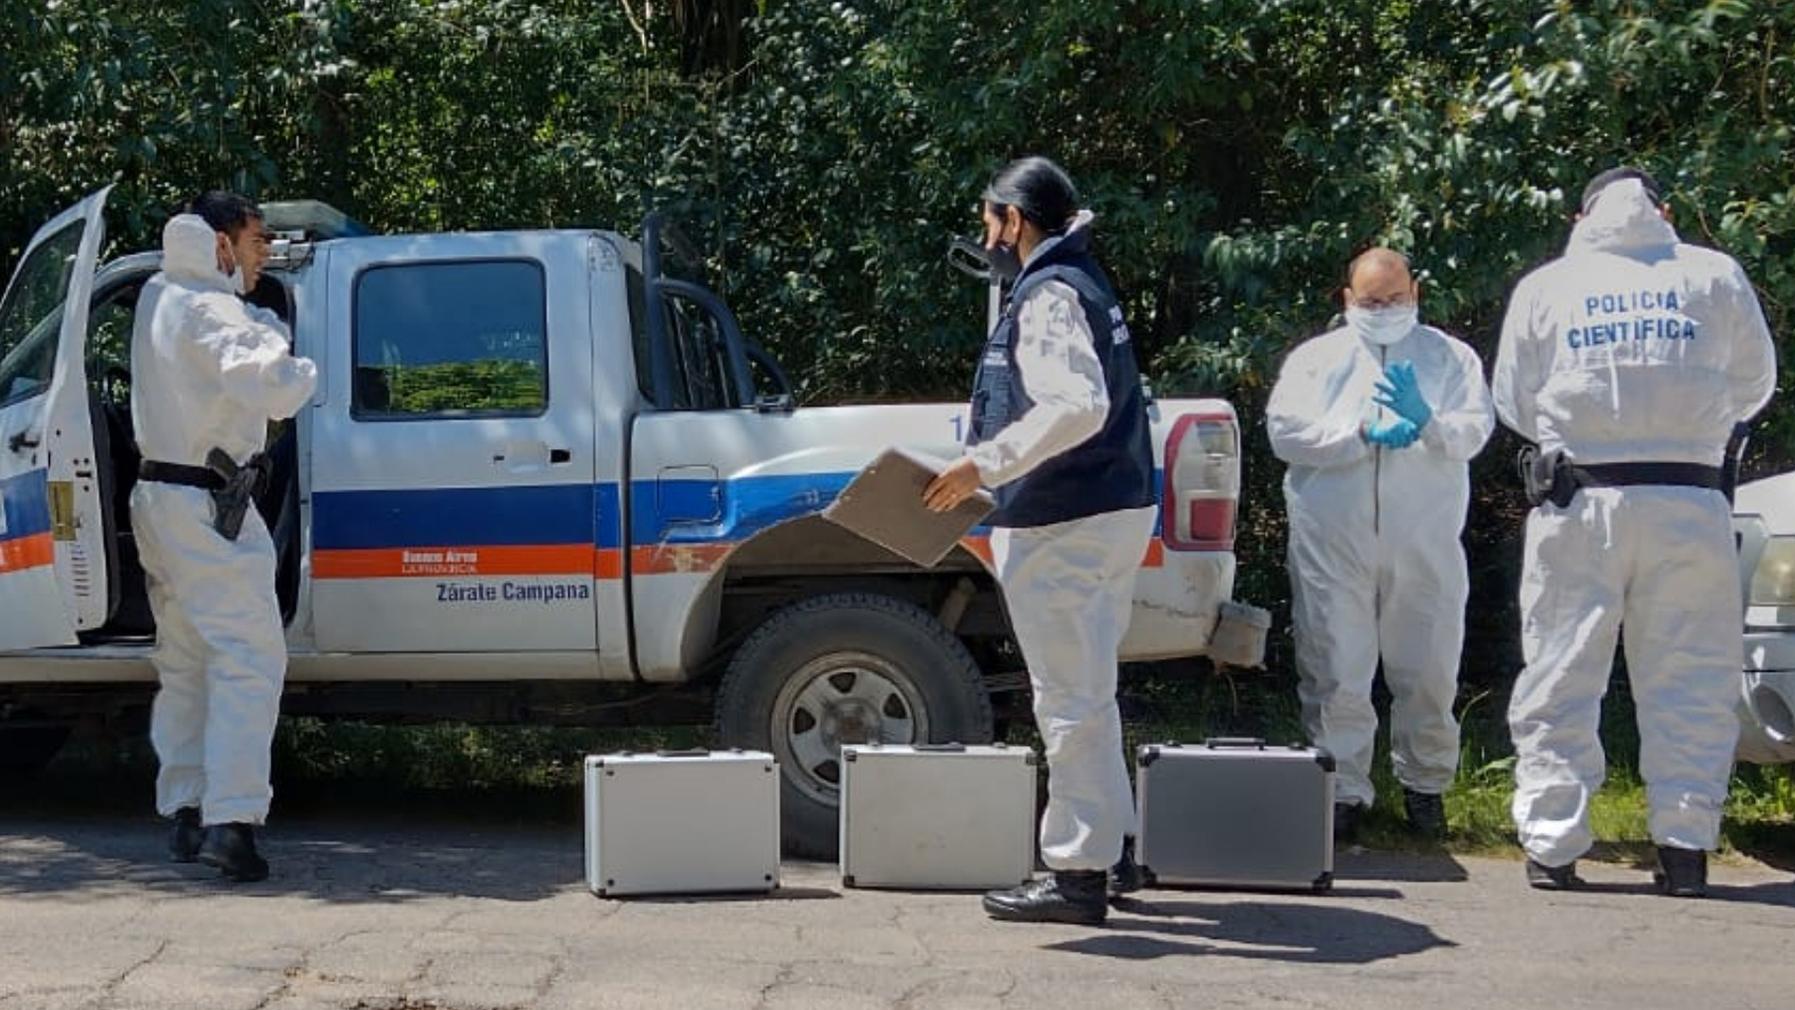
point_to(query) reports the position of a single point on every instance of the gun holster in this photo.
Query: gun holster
(232, 500)
(1733, 459)
(1546, 476)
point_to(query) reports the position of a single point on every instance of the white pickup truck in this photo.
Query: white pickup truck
(541, 481)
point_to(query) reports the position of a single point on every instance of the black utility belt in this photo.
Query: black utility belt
(1636, 474)
(233, 488)
(158, 472)
(1552, 477)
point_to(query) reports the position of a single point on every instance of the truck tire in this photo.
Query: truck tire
(26, 749)
(845, 668)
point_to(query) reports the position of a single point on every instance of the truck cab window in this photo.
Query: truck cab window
(698, 357)
(109, 328)
(454, 339)
(31, 315)
(641, 343)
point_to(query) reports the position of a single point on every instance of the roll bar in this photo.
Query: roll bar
(737, 350)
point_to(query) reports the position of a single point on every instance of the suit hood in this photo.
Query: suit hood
(1623, 219)
(190, 252)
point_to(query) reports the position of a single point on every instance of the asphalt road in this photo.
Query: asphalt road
(418, 904)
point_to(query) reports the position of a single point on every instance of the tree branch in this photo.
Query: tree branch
(640, 29)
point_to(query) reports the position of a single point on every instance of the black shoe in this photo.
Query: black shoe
(1682, 873)
(1071, 897)
(1346, 822)
(185, 839)
(1553, 878)
(1426, 812)
(1125, 877)
(232, 849)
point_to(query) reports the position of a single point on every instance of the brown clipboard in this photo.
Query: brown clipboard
(883, 503)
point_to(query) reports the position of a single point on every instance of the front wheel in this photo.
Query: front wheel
(840, 669)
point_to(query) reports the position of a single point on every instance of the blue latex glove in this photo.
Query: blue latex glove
(1401, 392)
(1396, 433)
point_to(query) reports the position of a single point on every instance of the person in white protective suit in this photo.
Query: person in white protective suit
(209, 373)
(1378, 421)
(1059, 429)
(1629, 361)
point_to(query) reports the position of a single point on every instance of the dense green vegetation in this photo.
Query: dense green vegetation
(490, 386)
(1237, 152)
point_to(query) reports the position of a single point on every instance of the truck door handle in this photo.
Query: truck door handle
(524, 455)
(22, 441)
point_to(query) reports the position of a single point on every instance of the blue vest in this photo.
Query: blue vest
(1111, 471)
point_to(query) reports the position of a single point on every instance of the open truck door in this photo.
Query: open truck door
(53, 550)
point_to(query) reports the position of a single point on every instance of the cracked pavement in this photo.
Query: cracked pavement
(401, 911)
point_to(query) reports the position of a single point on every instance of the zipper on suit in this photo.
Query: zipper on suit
(1377, 493)
(1377, 463)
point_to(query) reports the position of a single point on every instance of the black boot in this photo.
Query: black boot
(1426, 812)
(1682, 873)
(184, 840)
(1075, 897)
(232, 849)
(1346, 822)
(1553, 878)
(1125, 876)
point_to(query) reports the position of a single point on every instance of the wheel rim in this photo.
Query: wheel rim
(842, 698)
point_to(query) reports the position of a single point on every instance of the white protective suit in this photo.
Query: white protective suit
(1376, 566)
(1069, 586)
(207, 373)
(1633, 347)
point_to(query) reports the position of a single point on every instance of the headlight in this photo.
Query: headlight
(1773, 582)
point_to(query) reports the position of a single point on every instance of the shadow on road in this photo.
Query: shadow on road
(1300, 933)
(781, 894)
(92, 832)
(1643, 858)
(88, 857)
(1433, 866)
(1780, 893)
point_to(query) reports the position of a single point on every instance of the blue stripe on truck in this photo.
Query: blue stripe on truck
(26, 499)
(662, 512)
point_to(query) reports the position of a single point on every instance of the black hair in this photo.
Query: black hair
(1040, 189)
(225, 211)
(1621, 174)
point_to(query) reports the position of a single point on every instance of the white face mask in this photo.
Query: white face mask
(1382, 326)
(239, 283)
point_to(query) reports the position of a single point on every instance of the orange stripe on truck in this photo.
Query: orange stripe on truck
(679, 559)
(21, 553)
(452, 562)
(1156, 554)
(602, 563)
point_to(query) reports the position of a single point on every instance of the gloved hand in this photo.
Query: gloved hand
(1396, 433)
(1401, 392)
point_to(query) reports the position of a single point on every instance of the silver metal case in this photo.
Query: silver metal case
(1236, 813)
(937, 816)
(682, 822)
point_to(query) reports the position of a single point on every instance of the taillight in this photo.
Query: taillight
(1202, 483)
